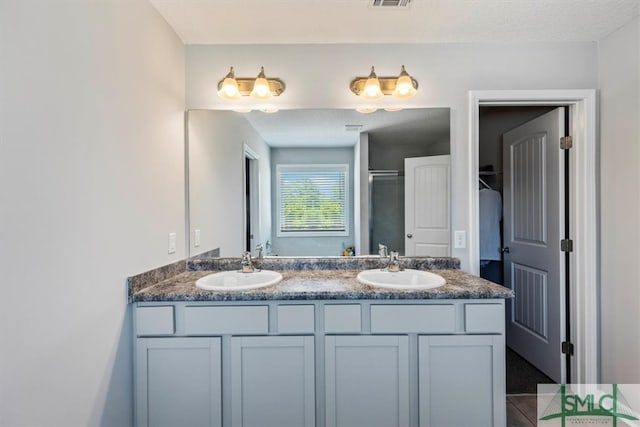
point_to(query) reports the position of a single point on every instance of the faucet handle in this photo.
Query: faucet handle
(259, 250)
(383, 250)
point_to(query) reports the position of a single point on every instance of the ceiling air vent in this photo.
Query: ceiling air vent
(391, 3)
(353, 128)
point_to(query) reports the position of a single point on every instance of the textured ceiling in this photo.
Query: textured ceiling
(425, 21)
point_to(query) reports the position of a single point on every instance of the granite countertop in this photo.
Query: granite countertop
(314, 284)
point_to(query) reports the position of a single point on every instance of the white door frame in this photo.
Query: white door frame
(584, 316)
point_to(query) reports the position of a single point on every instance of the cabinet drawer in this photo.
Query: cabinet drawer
(205, 320)
(155, 320)
(342, 318)
(483, 318)
(437, 318)
(296, 319)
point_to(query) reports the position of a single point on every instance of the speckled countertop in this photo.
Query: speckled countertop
(316, 284)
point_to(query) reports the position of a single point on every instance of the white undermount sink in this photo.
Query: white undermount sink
(238, 281)
(404, 279)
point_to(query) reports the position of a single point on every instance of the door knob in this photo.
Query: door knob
(506, 250)
(409, 235)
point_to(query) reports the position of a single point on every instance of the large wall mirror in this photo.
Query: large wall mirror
(318, 182)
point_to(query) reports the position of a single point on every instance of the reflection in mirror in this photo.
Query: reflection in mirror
(323, 182)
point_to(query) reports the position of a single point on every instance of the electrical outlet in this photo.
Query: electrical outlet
(196, 237)
(172, 243)
(460, 239)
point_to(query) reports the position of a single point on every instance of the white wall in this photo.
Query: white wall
(361, 193)
(216, 180)
(91, 183)
(446, 72)
(619, 80)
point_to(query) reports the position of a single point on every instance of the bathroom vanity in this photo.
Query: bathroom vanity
(320, 349)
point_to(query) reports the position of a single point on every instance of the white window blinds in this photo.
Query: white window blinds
(312, 199)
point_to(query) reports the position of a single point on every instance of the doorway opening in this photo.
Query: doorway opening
(522, 218)
(581, 200)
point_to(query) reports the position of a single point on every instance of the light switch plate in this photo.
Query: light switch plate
(460, 239)
(172, 243)
(196, 237)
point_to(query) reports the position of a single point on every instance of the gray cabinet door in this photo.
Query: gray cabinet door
(178, 382)
(367, 381)
(272, 381)
(461, 380)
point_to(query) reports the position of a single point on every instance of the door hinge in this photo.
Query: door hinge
(566, 142)
(566, 245)
(567, 348)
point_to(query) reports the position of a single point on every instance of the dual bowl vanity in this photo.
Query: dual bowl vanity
(238, 280)
(319, 342)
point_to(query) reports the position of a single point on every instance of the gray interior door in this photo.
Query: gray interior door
(533, 202)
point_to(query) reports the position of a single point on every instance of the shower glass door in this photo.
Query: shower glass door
(386, 210)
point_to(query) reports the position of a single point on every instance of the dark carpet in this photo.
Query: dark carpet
(522, 376)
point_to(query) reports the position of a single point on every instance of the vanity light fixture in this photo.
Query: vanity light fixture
(260, 87)
(373, 87)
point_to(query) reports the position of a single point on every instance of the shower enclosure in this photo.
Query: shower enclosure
(386, 210)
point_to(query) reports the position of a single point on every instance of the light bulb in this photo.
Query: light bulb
(261, 88)
(404, 86)
(372, 89)
(229, 87)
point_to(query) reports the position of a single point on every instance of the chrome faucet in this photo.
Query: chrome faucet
(259, 250)
(383, 250)
(246, 263)
(394, 262)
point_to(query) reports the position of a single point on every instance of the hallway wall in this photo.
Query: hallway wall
(91, 183)
(619, 81)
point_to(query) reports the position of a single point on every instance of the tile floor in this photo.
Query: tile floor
(521, 410)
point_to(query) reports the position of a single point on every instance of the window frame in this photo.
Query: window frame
(309, 167)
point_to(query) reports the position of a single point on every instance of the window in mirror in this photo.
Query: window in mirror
(312, 200)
